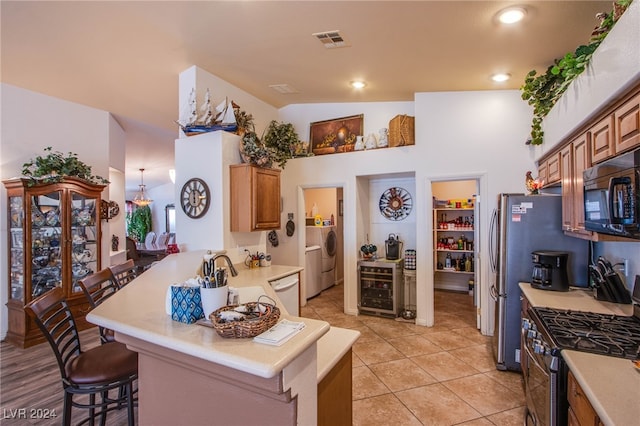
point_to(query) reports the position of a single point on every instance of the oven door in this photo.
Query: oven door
(537, 383)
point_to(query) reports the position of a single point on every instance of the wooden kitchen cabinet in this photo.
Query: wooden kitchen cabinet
(581, 412)
(255, 198)
(54, 241)
(549, 170)
(627, 125)
(602, 140)
(574, 159)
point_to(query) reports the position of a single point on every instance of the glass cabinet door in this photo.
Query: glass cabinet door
(16, 248)
(84, 253)
(46, 242)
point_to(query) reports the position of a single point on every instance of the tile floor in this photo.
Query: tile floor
(405, 374)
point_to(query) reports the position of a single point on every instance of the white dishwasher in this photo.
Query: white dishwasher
(288, 291)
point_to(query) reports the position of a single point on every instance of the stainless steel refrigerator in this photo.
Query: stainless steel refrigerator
(520, 225)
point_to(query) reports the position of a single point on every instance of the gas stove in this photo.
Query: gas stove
(602, 334)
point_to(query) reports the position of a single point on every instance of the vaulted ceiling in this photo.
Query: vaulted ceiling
(125, 57)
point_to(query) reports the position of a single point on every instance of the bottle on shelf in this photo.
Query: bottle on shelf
(447, 261)
(467, 264)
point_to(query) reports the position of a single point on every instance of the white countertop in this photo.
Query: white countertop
(611, 384)
(138, 310)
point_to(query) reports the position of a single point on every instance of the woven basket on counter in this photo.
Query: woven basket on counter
(247, 327)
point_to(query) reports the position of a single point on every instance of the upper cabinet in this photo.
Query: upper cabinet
(617, 132)
(627, 125)
(574, 161)
(255, 198)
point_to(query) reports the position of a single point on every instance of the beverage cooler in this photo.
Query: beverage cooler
(380, 287)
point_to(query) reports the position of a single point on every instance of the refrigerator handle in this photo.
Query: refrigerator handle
(493, 293)
(493, 237)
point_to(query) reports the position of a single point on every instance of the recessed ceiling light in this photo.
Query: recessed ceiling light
(358, 84)
(499, 78)
(511, 15)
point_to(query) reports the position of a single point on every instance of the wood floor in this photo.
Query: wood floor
(31, 392)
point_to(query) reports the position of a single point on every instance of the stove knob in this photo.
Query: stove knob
(538, 347)
(526, 324)
(532, 334)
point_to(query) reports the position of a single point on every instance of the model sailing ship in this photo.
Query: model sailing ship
(207, 119)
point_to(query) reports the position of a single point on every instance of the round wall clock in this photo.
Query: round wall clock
(395, 203)
(194, 198)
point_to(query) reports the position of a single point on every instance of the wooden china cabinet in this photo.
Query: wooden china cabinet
(54, 241)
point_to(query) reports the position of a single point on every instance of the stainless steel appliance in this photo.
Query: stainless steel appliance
(612, 196)
(546, 332)
(520, 225)
(550, 270)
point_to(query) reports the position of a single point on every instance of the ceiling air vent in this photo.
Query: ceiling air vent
(284, 89)
(331, 39)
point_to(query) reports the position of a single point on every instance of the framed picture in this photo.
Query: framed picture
(335, 135)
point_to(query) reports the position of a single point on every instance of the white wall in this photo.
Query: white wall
(32, 122)
(458, 135)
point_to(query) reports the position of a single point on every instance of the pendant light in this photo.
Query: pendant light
(141, 199)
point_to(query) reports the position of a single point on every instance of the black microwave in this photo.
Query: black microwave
(612, 196)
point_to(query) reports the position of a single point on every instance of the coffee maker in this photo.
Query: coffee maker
(550, 270)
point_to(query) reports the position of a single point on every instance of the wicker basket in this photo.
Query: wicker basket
(249, 327)
(402, 130)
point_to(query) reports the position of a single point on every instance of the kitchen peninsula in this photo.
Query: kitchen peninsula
(188, 374)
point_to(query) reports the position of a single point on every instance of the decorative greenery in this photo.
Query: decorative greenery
(55, 166)
(139, 223)
(281, 140)
(543, 91)
(244, 121)
(277, 145)
(254, 151)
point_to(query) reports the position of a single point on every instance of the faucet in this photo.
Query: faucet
(226, 258)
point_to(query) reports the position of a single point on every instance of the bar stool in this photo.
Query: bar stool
(98, 287)
(124, 272)
(94, 372)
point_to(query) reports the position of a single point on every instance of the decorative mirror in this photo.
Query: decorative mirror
(170, 215)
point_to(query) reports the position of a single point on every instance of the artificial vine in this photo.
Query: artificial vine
(543, 91)
(139, 223)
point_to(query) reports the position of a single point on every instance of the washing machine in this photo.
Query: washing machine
(312, 271)
(326, 238)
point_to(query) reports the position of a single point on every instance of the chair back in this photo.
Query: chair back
(99, 286)
(124, 272)
(53, 316)
(150, 240)
(161, 241)
(132, 250)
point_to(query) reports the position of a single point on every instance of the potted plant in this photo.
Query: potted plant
(55, 166)
(281, 140)
(253, 151)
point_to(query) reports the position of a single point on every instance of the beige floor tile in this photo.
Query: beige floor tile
(401, 374)
(390, 329)
(413, 345)
(444, 366)
(448, 340)
(484, 394)
(473, 334)
(437, 405)
(367, 334)
(373, 352)
(510, 379)
(355, 360)
(381, 410)
(482, 421)
(479, 357)
(365, 384)
(513, 417)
